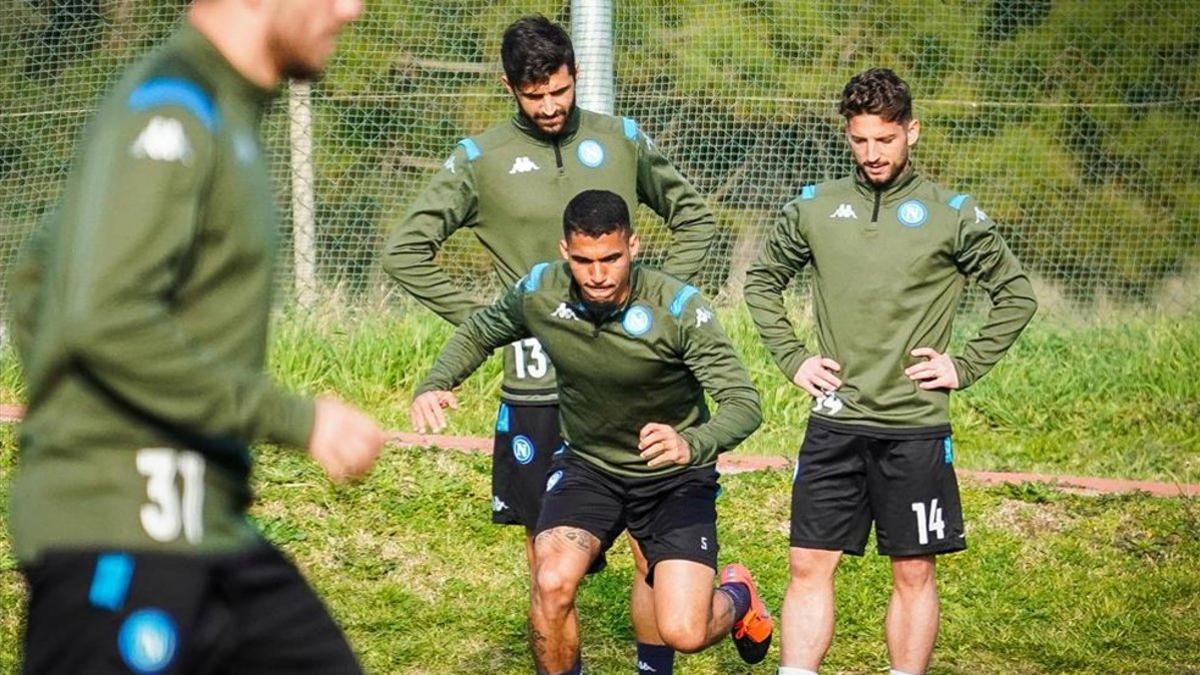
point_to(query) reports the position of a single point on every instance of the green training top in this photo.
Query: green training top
(510, 185)
(651, 361)
(140, 315)
(889, 268)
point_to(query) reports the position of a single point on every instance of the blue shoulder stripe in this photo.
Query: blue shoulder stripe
(956, 202)
(808, 192)
(473, 151)
(631, 128)
(534, 280)
(175, 91)
(110, 583)
(681, 299)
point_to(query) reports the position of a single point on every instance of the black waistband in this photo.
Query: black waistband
(889, 433)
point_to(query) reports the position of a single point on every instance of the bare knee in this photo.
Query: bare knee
(683, 634)
(812, 567)
(554, 590)
(913, 575)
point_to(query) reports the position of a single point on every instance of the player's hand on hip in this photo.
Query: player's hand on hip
(660, 444)
(937, 371)
(345, 441)
(428, 410)
(816, 376)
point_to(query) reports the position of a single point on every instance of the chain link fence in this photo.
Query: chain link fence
(1071, 121)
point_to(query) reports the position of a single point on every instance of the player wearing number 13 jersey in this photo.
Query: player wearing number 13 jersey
(140, 313)
(509, 187)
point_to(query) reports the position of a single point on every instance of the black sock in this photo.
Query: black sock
(658, 659)
(739, 593)
(576, 669)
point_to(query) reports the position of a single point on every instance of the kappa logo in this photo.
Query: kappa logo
(498, 504)
(703, 316)
(162, 140)
(829, 404)
(523, 165)
(644, 667)
(980, 216)
(553, 480)
(564, 312)
(449, 164)
(844, 210)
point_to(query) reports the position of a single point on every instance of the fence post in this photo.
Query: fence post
(304, 222)
(592, 36)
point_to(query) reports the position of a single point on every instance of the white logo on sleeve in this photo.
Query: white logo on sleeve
(703, 316)
(449, 164)
(523, 165)
(844, 211)
(980, 216)
(162, 140)
(564, 312)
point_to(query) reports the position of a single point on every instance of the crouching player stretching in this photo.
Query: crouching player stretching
(635, 351)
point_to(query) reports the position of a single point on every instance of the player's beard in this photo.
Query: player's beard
(291, 59)
(891, 178)
(533, 123)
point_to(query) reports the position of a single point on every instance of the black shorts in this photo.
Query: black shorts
(527, 436)
(116, 612)
(844, 481)
(672, 517)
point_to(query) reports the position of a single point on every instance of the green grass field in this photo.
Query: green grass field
(1052, 583)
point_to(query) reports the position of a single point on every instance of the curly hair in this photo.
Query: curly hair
(877, 91)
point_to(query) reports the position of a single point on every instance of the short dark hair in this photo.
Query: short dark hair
(533, 49)
(877, 91)
(595, 213)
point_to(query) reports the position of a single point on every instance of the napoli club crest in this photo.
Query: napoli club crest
(637, 321)
(912, 213)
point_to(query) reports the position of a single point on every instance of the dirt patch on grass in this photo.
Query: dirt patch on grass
(1028, 519)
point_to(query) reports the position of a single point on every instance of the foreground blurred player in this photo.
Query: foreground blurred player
(509, 185)
(140, 313)
(635, 351)
(890, 253)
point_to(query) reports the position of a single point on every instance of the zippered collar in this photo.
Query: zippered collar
(532, 131)
(905, 182)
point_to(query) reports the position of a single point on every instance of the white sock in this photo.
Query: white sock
(789, 670)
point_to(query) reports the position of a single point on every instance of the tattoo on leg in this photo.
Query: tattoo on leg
(537, 641)
(579, 538)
